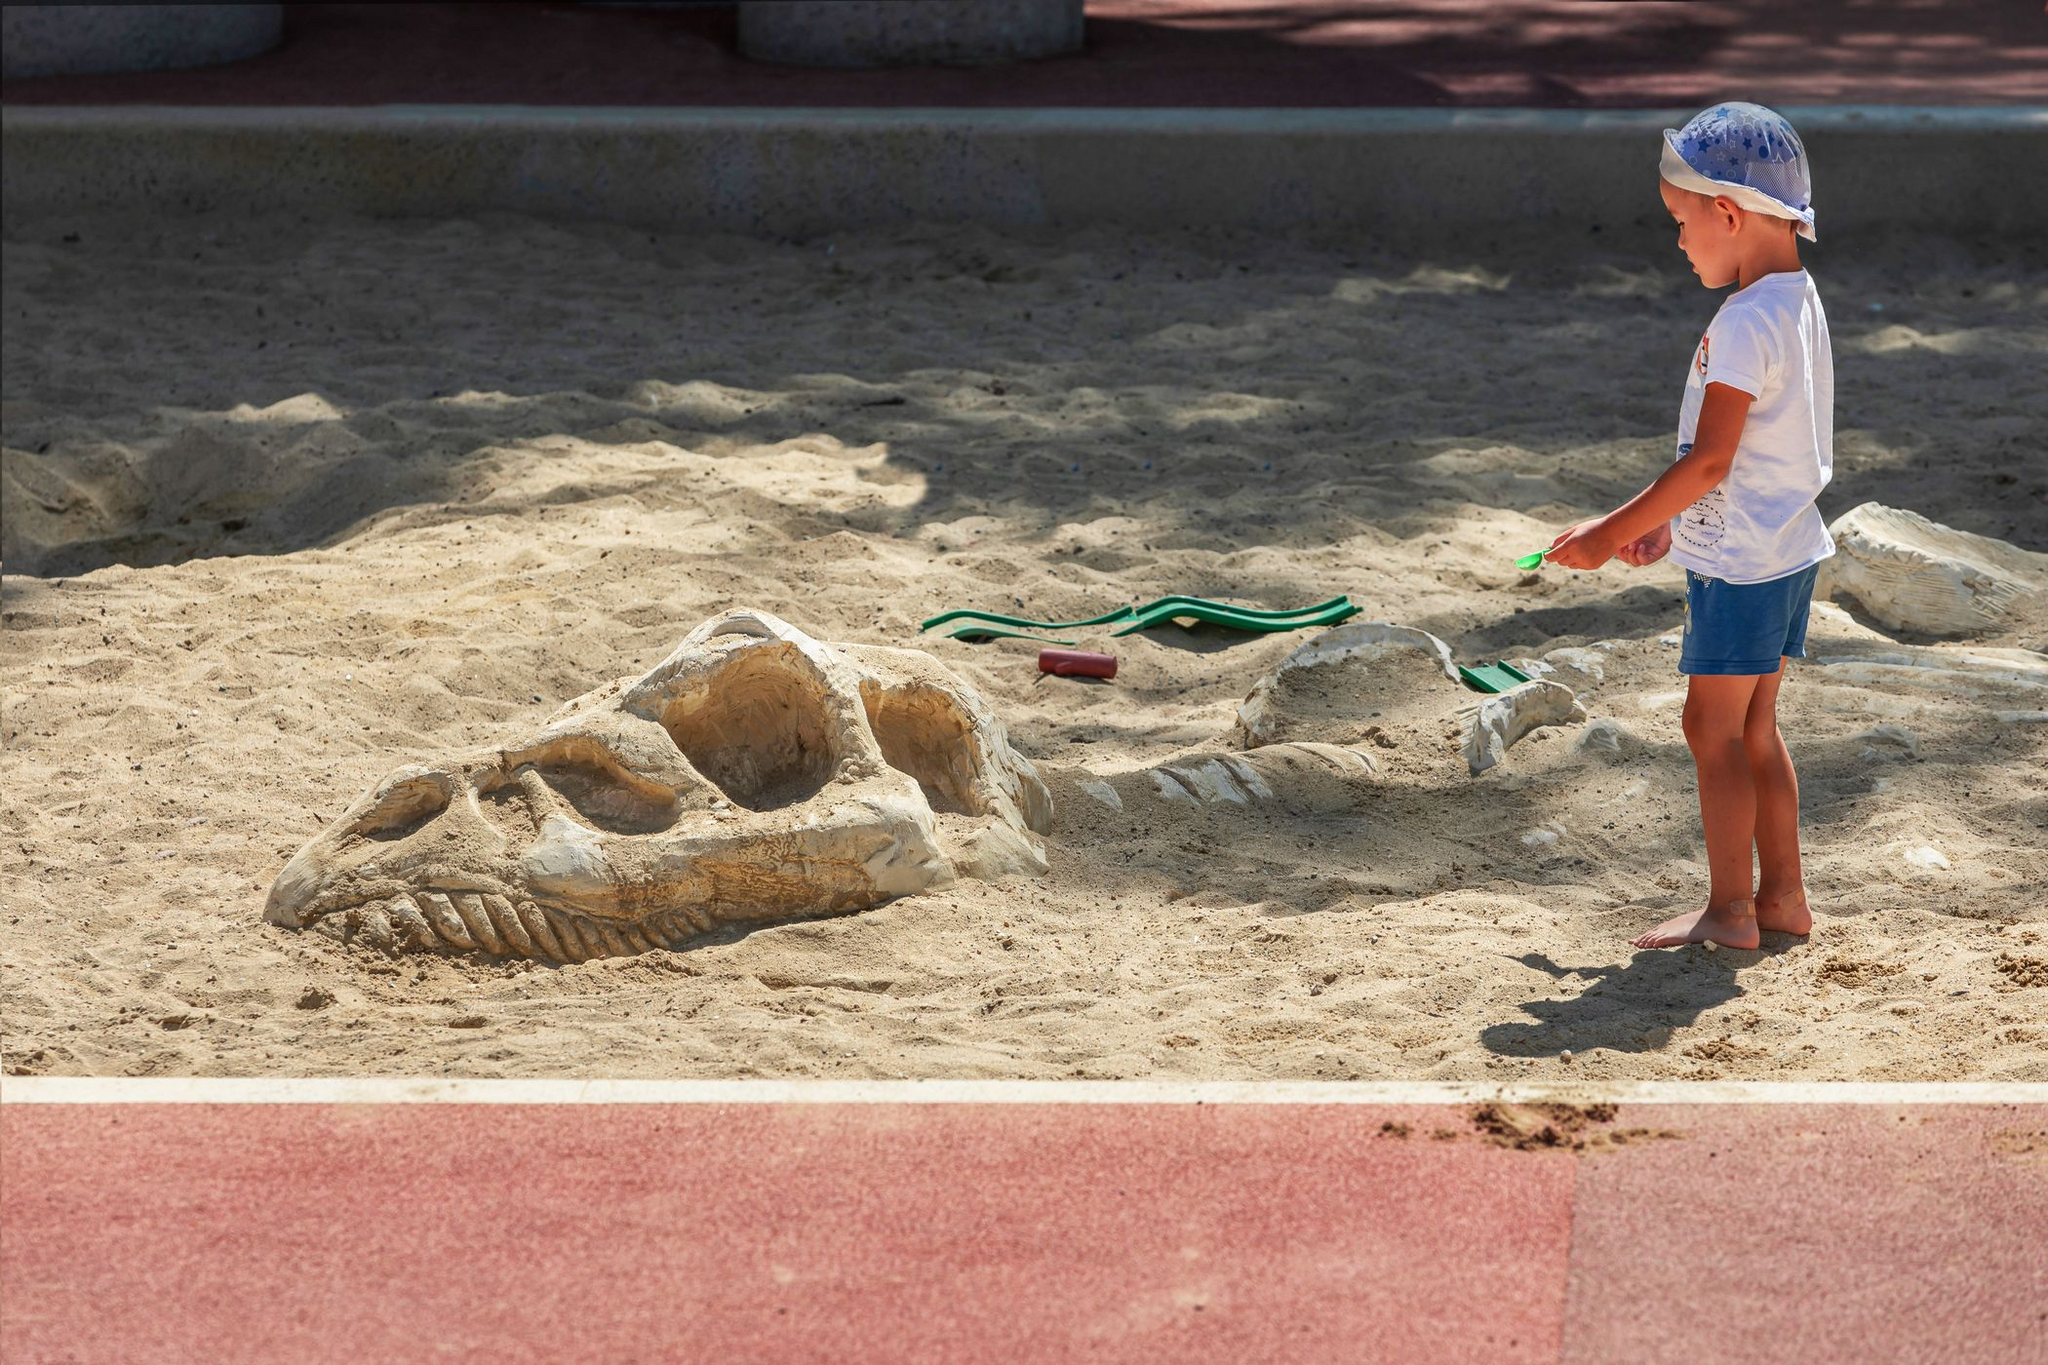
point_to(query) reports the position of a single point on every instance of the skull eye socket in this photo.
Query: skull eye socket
(922, 732)
(403, 807)
(758, 729)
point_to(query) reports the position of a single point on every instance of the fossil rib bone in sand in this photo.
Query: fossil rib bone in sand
(1491, 725)
(1915, 574)
(755, 774)
(1240, 779)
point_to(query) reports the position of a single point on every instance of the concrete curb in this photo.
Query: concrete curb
(44, 40)
(1407, 176)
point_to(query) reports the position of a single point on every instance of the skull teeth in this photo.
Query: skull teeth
(614, 941)
(409, 925)
(439, 912)
(507, 922)
(478, 922)
(541, 929)
(577, 945)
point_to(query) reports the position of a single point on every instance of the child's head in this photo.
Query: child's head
(1735, 178)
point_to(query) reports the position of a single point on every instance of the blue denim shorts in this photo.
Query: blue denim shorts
(1742, 628)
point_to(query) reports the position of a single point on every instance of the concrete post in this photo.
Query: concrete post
(50, 40)
(907, 32)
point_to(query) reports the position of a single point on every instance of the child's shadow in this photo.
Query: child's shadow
(1632, 1008)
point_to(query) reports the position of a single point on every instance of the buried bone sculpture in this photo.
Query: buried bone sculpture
(1910, 573)
(758, 775)
(755, 774)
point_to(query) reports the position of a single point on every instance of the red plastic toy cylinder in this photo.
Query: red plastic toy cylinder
(1076, 663)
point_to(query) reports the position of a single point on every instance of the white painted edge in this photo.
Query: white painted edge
(423, 1090)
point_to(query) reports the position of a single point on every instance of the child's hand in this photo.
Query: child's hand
(1647, 549)
(1585, 546)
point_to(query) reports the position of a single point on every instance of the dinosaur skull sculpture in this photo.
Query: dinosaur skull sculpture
(755, 774)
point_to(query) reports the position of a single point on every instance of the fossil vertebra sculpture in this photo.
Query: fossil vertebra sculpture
(1333, 681)
(1334, 686)
(755, 774)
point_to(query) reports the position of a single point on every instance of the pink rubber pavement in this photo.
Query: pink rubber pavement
(878, 1232)
(1816, 1233)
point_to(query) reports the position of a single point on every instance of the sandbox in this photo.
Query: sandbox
(295, 499)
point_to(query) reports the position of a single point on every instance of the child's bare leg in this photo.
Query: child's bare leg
(1781, 889)
(1716, 711)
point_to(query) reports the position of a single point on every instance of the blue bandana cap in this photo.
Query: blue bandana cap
(1749, 154)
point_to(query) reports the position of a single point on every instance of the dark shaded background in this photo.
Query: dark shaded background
(1168, 53)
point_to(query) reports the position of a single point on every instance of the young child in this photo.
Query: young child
(1736, 510)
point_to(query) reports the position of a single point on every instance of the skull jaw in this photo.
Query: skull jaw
(578, 895)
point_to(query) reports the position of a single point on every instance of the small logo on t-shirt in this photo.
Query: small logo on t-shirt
(1703, 355)
(1702, 525)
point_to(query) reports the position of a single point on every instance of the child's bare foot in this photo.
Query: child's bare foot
(1784, 912)
(1732, 925)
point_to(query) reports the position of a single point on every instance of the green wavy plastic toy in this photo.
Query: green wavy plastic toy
(1236, 618)
(989, 625)
(1022, 623)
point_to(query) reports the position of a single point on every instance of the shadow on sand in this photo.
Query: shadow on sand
(1635, 1007)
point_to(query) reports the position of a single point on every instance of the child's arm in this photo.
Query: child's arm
(1590, 544)
(1648, 549)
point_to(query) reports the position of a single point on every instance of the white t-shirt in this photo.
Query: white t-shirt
(1770, 340)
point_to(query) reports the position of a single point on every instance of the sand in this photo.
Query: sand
(289, 503)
